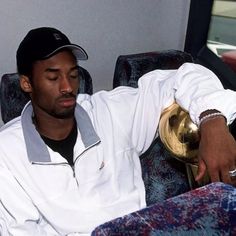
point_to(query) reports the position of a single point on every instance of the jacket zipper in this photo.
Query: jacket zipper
(81, 154)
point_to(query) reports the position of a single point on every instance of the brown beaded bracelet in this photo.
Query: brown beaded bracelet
(210, 116)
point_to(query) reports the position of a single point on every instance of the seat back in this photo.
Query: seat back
(163, 175)
(13, 99)
(129, 68)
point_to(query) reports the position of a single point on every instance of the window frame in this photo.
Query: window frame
(196, 42)
(198, 26)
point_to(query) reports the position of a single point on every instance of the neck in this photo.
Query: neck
(56, 129)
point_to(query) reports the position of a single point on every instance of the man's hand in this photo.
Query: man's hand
(217, 151)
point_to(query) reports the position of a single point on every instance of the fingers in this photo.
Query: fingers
(201, 171)
(232, 176)
(221, 174)
(233, 181)
(217, 152)
(225, 176)
(220, 170)
(216, 176)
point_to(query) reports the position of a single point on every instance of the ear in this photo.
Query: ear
(25, 84)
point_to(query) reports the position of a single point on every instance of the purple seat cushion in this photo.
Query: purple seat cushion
(209, 210)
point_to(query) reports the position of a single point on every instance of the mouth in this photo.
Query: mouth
(67, 102)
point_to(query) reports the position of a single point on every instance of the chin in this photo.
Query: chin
(65, 115)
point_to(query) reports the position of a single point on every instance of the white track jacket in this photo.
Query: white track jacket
(41, 194)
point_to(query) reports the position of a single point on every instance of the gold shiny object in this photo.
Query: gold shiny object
(179, 134)
(181, 137)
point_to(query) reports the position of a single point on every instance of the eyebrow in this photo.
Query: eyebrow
(56, 70)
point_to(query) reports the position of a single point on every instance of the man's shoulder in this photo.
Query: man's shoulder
(12, 126)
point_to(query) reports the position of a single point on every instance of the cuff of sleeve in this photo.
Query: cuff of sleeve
(223, 101)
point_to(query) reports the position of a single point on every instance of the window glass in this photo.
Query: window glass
(222, 32)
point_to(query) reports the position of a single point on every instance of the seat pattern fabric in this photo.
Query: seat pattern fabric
(13, 99)
(129, 68)
(209, 210)
(164, 177)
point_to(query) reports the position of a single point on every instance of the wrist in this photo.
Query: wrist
(211, 115)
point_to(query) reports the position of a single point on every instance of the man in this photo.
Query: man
(67, 167)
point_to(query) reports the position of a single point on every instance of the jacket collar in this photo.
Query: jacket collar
(36, 148)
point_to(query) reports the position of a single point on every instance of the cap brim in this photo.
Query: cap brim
(78, 51)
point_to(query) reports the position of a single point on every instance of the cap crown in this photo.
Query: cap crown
(41, 43)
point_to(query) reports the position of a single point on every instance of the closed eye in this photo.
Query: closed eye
(52, 78)
(74, 76)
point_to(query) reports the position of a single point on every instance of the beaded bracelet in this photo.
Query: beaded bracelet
(210, 116)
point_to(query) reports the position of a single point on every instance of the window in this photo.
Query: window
(222, 31)
(211, 37)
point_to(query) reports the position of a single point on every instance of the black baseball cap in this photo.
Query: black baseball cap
(42, 43)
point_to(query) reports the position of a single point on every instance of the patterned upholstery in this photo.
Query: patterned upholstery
(129, 68)
(163, 175)
(209, 210)
(13, 99)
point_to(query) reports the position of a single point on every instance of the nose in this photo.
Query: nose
(65, 86)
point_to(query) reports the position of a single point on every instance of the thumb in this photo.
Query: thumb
(201, 170)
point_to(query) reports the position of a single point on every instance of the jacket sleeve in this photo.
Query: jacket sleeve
(137, 110)
(198, 89)
(18, 215)
(194, 87)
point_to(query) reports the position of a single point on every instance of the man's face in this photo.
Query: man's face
(54, 86)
